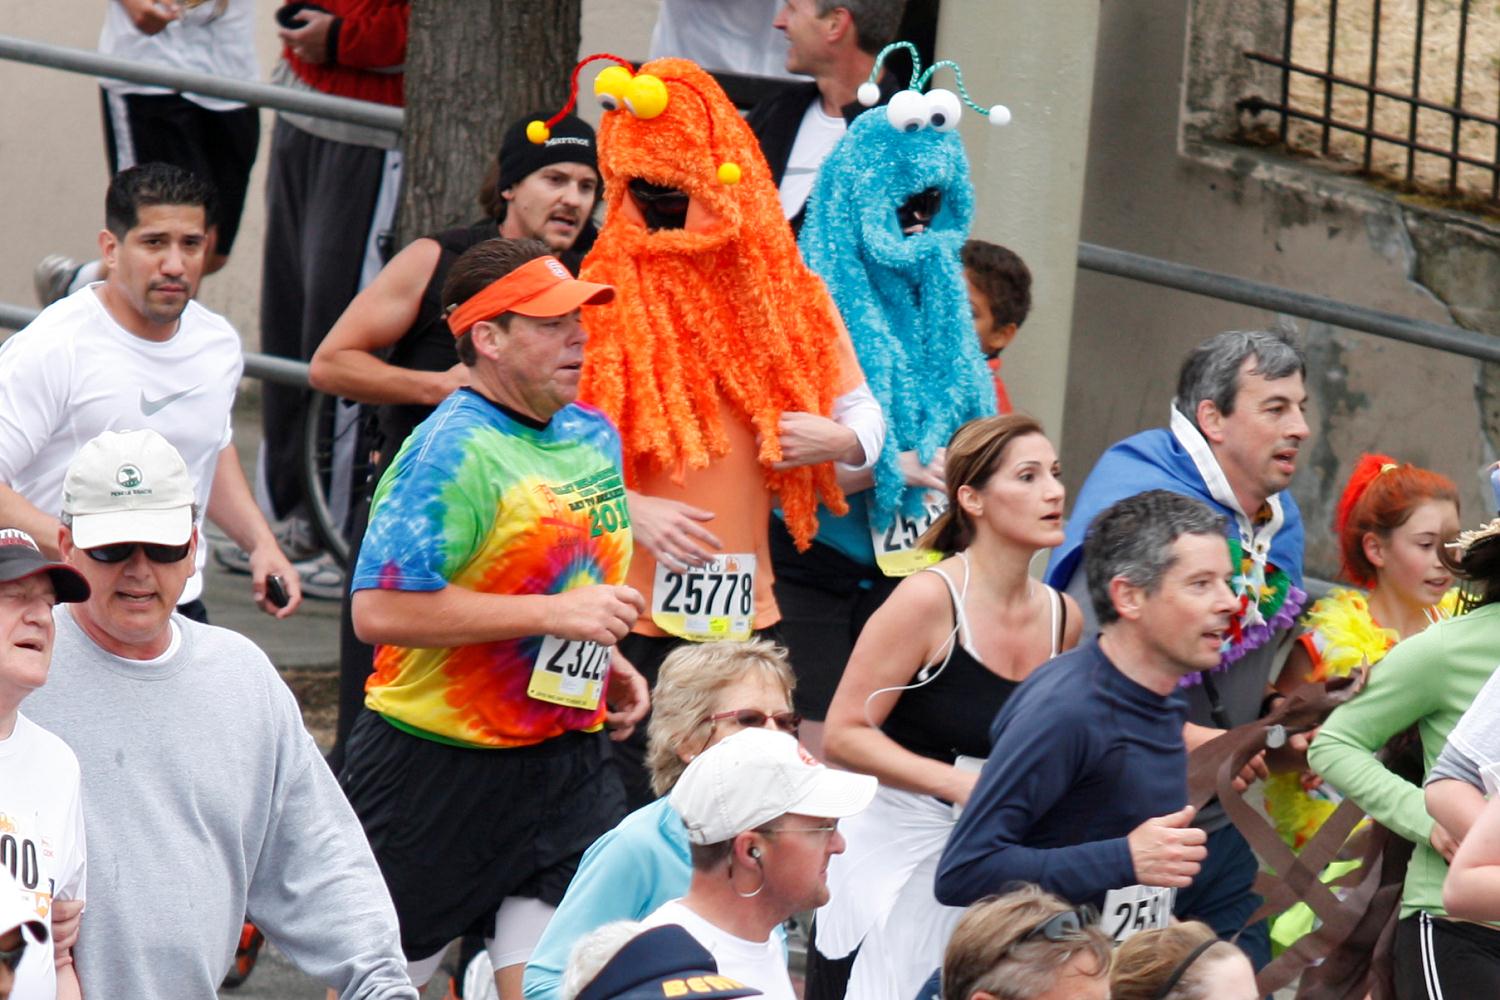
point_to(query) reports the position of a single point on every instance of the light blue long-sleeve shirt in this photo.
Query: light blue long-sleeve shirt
(625, 875)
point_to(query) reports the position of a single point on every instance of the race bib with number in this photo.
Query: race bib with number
(704, 603)
(1136, 908)
(569, 672)
(896, 551)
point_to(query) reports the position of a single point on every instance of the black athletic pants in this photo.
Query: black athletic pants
(1438, 959)
(320, 197)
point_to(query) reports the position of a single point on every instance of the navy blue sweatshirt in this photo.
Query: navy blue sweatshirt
(1081, 756)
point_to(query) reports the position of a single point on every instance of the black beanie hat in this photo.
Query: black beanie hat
(571, 141)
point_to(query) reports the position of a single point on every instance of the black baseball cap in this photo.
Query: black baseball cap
(571, 141)
(664, 963)
(20, 558)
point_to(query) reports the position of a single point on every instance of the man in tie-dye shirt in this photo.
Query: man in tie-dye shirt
(492, 583)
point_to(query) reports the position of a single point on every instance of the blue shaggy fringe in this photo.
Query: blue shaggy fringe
(903, 298)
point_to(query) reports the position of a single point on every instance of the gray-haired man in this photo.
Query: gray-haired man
(1085, 789)
(204, 795)
(1235, 432)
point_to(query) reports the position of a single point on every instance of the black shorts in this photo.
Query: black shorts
(1436, 958)
(456, 831)
(218, 146)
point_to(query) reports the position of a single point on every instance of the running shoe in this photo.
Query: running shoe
(244, 956)
(52, 276)
(294, 536)
(322, 578)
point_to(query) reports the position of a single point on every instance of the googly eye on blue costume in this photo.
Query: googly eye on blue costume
(886, 221)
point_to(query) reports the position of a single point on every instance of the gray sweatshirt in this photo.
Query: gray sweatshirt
(205, 799)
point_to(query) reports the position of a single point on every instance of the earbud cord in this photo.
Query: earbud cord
(927, 674)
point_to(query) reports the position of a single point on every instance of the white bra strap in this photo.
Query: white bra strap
(959, 618)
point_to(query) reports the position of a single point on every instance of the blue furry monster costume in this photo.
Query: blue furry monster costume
(886, 220)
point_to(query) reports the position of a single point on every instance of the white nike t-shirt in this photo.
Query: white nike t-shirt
(761, 964)
(41, 837)
(74, 373)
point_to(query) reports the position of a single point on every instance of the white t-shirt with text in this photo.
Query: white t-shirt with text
(41, 838)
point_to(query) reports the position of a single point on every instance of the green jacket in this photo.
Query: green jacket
(1430, 680)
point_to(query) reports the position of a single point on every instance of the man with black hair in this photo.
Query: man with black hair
(835, 43)
(136, 351)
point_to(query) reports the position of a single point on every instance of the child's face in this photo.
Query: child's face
(993, 338)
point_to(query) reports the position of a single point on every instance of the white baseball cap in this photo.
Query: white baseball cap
(128, 486)
(757, 775)
(15, 913)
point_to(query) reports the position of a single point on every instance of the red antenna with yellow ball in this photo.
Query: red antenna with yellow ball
(644, 95)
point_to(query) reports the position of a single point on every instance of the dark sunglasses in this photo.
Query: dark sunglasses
(11, 958)
(1066, 926)
(754, 718)
(120, 551)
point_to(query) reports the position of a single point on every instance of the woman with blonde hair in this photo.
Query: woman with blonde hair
(929, 673)
(1025, 945)
(1185, 961)
(704, 692)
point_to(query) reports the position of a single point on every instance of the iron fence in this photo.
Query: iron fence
(1427, 89)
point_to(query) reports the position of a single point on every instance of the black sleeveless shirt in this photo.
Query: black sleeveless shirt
(428, 345)
(950, 715)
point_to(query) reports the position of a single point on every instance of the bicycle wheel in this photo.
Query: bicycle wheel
(338, 469)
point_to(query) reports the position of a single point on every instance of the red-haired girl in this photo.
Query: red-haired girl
(1391, 522)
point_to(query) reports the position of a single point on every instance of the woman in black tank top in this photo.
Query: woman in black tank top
(929, 673)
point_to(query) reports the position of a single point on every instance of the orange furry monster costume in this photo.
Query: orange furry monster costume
(717, 328)
(721, 309)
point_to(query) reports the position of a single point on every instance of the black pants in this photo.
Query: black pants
(1438, 959)
(825, 600)
(320, 199)
(645, 653)
(218, 146)
(356, 658)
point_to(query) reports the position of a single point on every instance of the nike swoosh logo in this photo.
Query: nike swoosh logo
(151, 406)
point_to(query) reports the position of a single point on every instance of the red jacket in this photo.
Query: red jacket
(366, 36)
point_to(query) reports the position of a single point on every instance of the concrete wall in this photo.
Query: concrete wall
(1154, 189)
(52, 169)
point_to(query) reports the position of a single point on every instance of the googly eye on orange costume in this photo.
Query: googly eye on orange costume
(718, 328)
(609, 87)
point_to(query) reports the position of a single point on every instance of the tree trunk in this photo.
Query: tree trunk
(473, 67)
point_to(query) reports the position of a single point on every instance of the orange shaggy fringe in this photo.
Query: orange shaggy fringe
(724, 309)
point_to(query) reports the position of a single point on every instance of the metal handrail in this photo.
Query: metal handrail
(1216, 285)
(265, 95)
(1104, 260)
(266, 367)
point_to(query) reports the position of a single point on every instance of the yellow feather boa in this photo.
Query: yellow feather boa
(1347, 636)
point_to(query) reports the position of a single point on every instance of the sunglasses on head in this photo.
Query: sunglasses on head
(754, 718)
(11, 957)
(120, 551)
(1068, 925)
